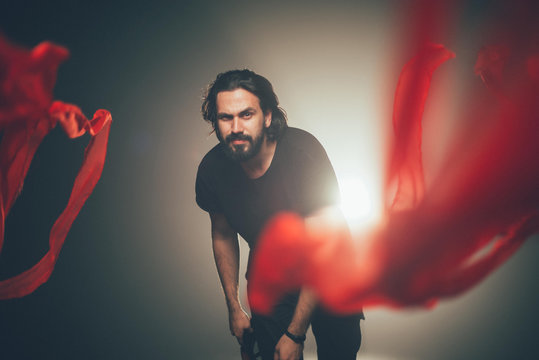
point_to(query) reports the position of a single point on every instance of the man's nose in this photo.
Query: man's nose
(237, 126)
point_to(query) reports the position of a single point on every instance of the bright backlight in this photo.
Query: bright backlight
(357, 202)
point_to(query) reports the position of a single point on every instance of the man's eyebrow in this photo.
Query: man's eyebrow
(249, 109)
(224, 114)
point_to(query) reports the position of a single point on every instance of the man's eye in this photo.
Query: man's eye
(247, 115)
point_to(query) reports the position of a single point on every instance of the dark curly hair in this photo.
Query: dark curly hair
(254, 83)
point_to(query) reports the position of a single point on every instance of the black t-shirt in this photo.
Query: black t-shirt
(299, 179)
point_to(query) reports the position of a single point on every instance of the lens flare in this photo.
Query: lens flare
(357, 202)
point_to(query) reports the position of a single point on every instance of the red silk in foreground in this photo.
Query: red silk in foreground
(27, 114)
(434, 241)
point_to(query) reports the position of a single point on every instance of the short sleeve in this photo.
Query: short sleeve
(316, 185)
(205, 194)
(320, 184)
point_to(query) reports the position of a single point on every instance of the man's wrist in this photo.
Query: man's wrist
(298, 339)
(233, 304)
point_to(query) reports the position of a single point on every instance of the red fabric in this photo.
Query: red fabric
(406, 167)
(27, 114)
(433, 241)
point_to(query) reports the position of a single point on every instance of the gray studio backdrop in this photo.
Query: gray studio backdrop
(136, 277)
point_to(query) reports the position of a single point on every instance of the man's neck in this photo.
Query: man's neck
(258, 165)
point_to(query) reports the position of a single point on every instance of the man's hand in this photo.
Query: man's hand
(287, 349)
(239, 322)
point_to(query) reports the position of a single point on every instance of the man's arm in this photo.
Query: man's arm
(286, 348)
(226, 253)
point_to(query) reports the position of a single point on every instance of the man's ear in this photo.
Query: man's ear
(267, 119)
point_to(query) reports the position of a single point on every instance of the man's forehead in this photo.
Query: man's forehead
(236, 100)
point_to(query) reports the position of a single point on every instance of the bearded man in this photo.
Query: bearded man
(259, 168)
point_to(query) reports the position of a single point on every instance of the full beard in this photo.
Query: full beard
(242, 152)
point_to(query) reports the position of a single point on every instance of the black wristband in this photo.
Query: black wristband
(298, 339)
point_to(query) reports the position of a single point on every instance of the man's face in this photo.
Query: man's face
(241, 123)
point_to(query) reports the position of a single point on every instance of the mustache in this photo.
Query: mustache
(233, 137)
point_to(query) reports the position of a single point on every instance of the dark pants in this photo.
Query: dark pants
(337, 337)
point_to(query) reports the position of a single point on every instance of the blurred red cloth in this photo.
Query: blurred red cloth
(433, 241)
(27, 114)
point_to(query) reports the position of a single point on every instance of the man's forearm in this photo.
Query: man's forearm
(226, 254)
(302, 314)
(288, 347)
(328, 216)
(324, 218)
(226, 251)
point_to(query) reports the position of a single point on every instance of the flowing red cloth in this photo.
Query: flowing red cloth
(434, 241)
(27, 114)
